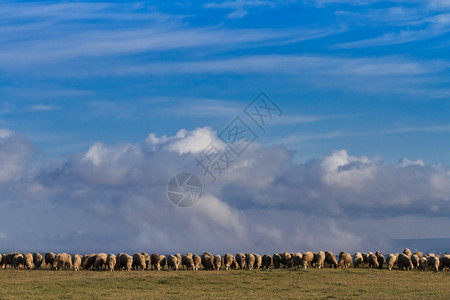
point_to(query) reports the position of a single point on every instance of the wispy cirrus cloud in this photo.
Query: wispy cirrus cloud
(240, 8)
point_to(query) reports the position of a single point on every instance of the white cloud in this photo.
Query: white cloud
(264, 203)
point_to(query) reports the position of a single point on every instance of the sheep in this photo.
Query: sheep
(208, 261)
(330, 259)
(88, 261)
(187, 261)
(49, 258)
(373, 262)
(147, 260)
(197, 261)
(445, 262)
(228, 260)
(217, 262)
(249, 260)
(76, 262)
(380, 259)
(124, 261)
(407, 252)
(37, 260)
(365, 258)
(178, 255)
(419, 254)
(433, 262)
(390, 261)
(286, 259)
(162, 261)
(415, 261)
(357, 259)
(266, 261)
(100, 261)
(155, 261)
(404, 262)
(258, 261)
(139, 261)
(307, 258)
(240, 260)
(111, 262)
(319, 259)
(172, 262)
(17, 261)
(297, 260)
(423, 263)
(276, 258)
(62, 261)
(28, 261)
(345, 260)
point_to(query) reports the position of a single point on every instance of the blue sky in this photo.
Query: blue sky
(363, 86)
(371, 76)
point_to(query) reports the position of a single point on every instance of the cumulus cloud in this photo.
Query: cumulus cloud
(113, 198)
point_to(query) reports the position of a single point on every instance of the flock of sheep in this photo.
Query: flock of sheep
(250, 261)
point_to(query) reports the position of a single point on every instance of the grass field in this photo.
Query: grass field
(234, 284)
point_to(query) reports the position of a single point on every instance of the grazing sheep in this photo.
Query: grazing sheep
(28, 261)
(319, 259)
(445, 262)
(124, 261)
(423, 263)
(297, 260)
(208, 261)
(172, 262)
(147, 260)
(88, 261)
(373, 261)
(139, 261)
(307, 258)
(17, 261)
(240, 260)
(276, 258)
(155, 261)
(162, 261)
(258, 261)
(433, 262)
(37, 260)
(266, 261)
(345, 260)
(415, 261)
(228, 260)
(111, 262)
(286, 259)
(217, 262)
(187, 261)
(357, 259)
(365, 258)
(380, 258)
(249, 261)
(62, 261)
(100, 261)
(419, 254)
(197, 261)
(407, 252)
(390, 261)
(178, 255)
(76, 262)
(404, 262)
(49, 258)
(330, 259)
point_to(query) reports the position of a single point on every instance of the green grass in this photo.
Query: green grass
(267, 284)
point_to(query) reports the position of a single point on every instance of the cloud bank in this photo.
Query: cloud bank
(113, 198)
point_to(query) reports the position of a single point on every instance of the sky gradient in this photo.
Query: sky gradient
(101, 103)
